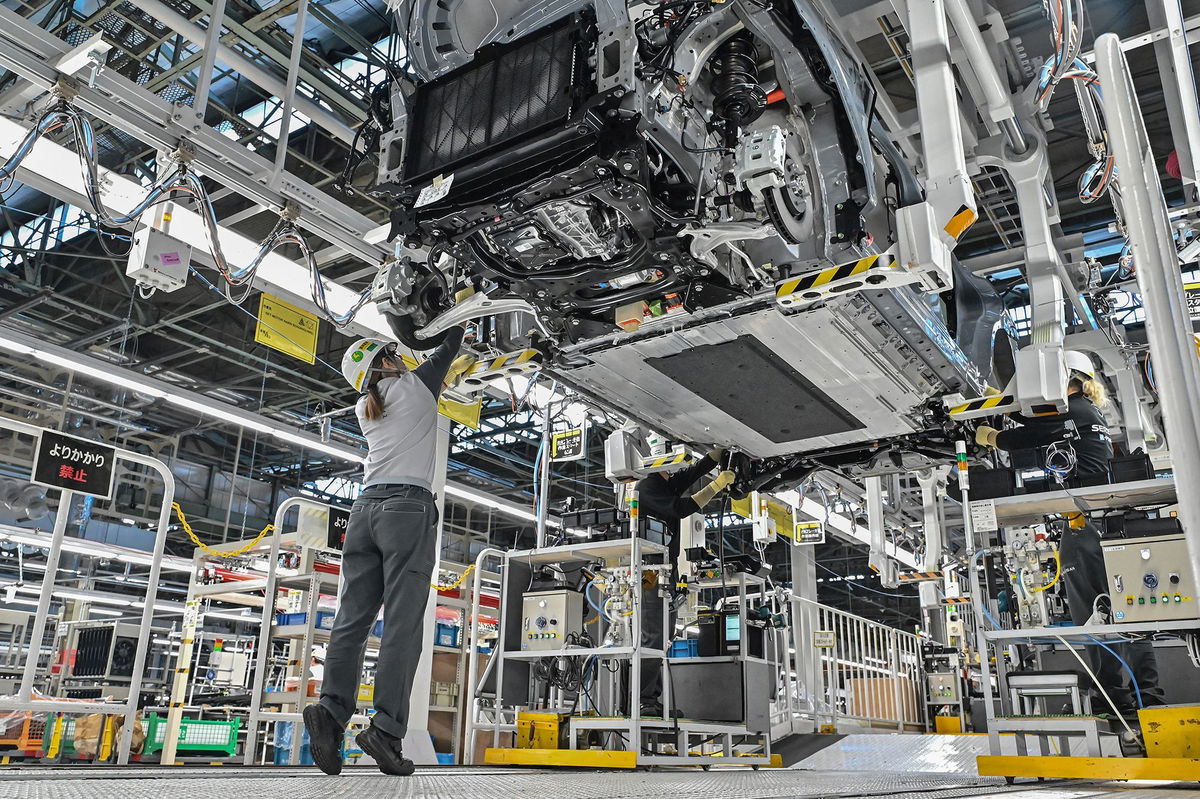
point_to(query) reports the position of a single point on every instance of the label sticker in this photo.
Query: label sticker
(435, 191)
(983, 515)
(824, 639)
(170, 259)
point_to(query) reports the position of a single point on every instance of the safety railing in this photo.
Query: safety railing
(860, 674)
(25, 700)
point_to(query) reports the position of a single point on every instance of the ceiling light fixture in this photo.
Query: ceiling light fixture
(21, 344)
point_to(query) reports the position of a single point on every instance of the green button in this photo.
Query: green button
(1166, 597)
(1142, 600)
(1153, 600)
(1178, 598)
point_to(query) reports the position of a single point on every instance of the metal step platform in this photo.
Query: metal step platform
(468, 783)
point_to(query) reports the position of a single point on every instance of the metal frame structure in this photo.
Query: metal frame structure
(498, 718)
(24, 699)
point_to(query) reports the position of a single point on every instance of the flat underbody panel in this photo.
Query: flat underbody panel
(766, 383)
(784, 405)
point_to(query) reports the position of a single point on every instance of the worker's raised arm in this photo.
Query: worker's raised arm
(433, 371)
(1033, 434)
(680, 480)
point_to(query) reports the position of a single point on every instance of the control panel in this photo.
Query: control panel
(943, 688)
(1150, 579)
(547, 617)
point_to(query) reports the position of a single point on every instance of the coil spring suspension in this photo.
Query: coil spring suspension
(739, 100)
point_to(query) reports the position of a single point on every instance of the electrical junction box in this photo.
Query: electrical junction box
(158, 260)
(547, 617)
(943, 688)
(1150, 579)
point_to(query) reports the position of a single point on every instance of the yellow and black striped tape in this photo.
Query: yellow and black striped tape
(512, 359)
(665, 460)
(983, 404)
(508, 360)
(917, 577)
(961, 222)
(798, 285)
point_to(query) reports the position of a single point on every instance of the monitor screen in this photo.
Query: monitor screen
(733, 627)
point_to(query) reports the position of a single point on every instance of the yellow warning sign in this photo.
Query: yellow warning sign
(781, 514)
(284, 327)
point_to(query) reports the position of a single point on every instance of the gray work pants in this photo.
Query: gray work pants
(387, 560)
(654, 637)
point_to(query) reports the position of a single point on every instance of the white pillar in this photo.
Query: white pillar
(418, 747)
(1168, 326)
(804, 621)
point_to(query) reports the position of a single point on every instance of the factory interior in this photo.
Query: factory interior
(599, 398)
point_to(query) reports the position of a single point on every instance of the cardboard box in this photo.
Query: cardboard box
(876, 698)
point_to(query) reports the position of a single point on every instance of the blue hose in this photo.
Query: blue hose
(587, 593)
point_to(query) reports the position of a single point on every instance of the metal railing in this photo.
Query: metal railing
(862, 674)
(24, 699)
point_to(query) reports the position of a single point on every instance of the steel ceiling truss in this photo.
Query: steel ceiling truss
(32, 52)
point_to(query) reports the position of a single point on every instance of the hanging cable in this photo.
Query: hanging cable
(182, 179)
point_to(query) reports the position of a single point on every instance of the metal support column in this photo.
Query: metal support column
(1168, 326)
(289, 94)
(543, 498)
(1178, 88)
(61, 515)
(263, 647)
(947, 184)
(806, 658)
(879, 560)
(417, 745)
(212, 42)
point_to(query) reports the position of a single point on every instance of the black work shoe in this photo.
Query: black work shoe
(386, 751)
(324, 738)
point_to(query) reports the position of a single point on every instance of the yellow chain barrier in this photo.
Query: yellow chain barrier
(456, 583)
(231, 553)
(234, 552)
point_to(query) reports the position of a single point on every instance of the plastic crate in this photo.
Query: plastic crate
(688, 648)
(28, 734)
(324, 619)
(194, 735)
(445, 635)
(377, 630)
(445, 759)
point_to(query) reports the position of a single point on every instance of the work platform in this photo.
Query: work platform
(468, 783)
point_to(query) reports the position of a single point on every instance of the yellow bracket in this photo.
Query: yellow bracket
(108, 738)
(55, 737)
(1090, 768)
(563, 758)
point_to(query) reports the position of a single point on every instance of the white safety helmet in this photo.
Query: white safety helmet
(318, 653)
(1079, 362)
(357, 362)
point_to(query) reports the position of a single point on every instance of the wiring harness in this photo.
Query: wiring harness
(180, 181)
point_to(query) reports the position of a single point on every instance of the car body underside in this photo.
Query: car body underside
(691, 207)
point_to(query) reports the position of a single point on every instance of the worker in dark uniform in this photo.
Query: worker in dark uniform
(389, 555)
(1080, 550)
(664, 497)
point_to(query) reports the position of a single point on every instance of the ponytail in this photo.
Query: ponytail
(374, 406)
(1095, 391)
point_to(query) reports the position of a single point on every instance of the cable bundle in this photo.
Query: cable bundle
(1066, 64)
(183, 180)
